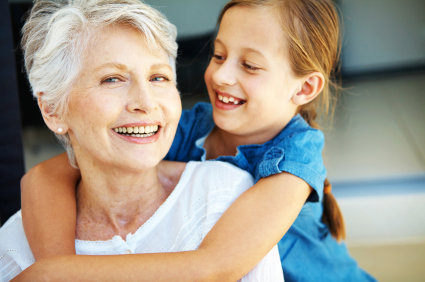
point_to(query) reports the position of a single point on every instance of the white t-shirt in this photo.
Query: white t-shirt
(204, 192)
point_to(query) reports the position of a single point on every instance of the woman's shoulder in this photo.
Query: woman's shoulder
(15, 253)
(217, 171)
(218, 177)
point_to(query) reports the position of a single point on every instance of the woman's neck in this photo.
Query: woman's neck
(115, 202)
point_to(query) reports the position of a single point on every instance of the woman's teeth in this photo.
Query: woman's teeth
(137, 131)
(227, 100)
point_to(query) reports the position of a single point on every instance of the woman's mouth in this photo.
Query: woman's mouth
(138, 131)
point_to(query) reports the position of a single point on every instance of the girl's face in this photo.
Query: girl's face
(249, 78)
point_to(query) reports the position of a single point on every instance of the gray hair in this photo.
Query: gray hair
(57, 32)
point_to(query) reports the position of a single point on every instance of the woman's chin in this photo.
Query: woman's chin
(134, 164)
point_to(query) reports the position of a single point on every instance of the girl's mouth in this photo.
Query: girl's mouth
(227, 99)
(227, 102)
(138, 131)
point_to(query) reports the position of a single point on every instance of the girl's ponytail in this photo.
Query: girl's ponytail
(332, 215)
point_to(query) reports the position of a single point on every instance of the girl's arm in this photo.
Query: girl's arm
(245, 233)
(49, 207)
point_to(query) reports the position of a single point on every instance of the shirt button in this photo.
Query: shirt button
(128, 251)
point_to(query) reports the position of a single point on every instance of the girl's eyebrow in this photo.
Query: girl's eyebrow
(252, 50)
(245, 49)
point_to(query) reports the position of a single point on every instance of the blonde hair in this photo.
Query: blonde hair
(312, 33)
(57, 32)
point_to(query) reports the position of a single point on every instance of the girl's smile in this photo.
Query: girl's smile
(226, 101)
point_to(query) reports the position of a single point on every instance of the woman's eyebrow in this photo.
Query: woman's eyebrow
(111, 65)
(159, 66)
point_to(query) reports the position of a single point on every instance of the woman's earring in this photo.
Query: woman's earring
(60, 130)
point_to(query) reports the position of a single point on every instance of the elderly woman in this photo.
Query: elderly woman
(104, 76)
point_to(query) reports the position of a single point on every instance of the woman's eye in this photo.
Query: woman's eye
(159, 78)
(112, 80)
(249, 67)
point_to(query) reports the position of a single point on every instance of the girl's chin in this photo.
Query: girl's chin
(226, 123)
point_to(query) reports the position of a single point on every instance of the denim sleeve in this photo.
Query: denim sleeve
(301, 155)
(193, 124)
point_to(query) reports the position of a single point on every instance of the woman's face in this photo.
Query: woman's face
(122, 90)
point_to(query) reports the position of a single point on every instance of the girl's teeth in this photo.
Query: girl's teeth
(138, 131)
(227, 100)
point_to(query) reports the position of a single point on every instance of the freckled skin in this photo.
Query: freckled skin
(121, 81)
(267, 91)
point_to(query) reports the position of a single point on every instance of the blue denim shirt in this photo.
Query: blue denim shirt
(297, 149)
(308, 252)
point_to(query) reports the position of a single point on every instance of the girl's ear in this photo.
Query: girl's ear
(53, 122)
(311, 87)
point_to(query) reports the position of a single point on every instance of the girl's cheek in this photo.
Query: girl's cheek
(255, 86)
(208, 74)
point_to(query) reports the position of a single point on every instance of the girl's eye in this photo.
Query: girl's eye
(218, 57)
(159, 79)
(249, 67)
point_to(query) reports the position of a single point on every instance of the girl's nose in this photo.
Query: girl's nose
(225, 74)
(141, 99)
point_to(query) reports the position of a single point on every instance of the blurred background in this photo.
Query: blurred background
(375, 146)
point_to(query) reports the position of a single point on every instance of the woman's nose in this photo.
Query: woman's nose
(225, 74)
(141, 99)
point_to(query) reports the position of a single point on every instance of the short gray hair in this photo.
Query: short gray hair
(56, 34)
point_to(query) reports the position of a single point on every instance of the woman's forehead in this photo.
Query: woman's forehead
(123, 47)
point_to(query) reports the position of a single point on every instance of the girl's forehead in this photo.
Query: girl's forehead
(251, 29)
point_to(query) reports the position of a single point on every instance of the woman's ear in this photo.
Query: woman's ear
(53, 122)
(311, 87)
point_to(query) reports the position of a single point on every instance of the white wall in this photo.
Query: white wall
(191, 17)
(383, 34)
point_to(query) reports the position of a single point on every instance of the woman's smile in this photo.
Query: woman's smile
(139, 134)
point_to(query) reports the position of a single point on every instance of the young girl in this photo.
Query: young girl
(271, 69)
